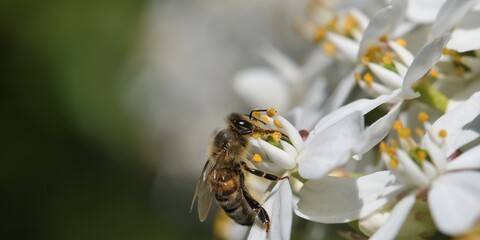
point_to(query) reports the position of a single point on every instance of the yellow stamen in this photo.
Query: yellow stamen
(271, 112)
(457, 59)
(422, 117)
(404, 133)
(419, 132)
(460, 71)
(421, 155)
(256, 135)
(277, 123)
(350, 23)
(387, 58)
(357, 76)
(383, 147)
(391, 151)
(446, 51)
(365, 60)
(402, 42)
(319, 35)
(332, 23)
(383, 38)
(256, 114)
(397, 125)
(368, 78)
(394, 163)
(329, 48)
(264, 119)
(257, 158)
(434, 72)
(442, 133)
(394, 144)
(276, 136)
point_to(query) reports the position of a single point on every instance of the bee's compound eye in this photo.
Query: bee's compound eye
(243, 124)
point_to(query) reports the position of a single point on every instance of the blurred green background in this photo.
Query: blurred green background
(72, 165)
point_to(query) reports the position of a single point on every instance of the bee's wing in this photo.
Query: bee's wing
(203, 191)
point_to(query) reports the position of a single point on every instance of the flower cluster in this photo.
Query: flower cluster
(383, 128)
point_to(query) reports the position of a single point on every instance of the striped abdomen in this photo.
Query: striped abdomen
(229, 194)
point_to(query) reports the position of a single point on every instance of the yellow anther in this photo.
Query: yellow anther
(256, 114)
(402, 42)
(383, 38)
(442, 133)
(329, 48)
(421, 155)
(394, 163)
(419, 132)
(368, 78)
(365, 60)
(446, 51)
(271, 112)
(460, 71)
(394, 144)
(350, 23)
(257, 158)
(387, 58)
(357, 76)
(434, 72)
(383, 147)
(391, 152)
(256, 135)
(422, 117)
(276, 136)
(332, 23)
(404, 133)
(397, 125)
(319, 35)
(277, 123)
(264, 119)
(457, 59)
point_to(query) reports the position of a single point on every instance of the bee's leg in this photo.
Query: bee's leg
(259, 173)
(258, 209)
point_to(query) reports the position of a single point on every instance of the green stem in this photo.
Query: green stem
(431, 96)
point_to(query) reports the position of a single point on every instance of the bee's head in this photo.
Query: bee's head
(240, 124)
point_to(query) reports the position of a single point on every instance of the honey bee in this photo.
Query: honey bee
(222, 176)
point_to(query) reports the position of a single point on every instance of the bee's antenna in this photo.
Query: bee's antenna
(254, 118)
(254, 111)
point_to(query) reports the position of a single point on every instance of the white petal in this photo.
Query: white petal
(330, 148)
(411, 169)
(467, 160)
(454, 202)
(345, 45)
(389, 78)
(278, 156)
(279, 205)
(377, 27)
(402, 69)
(395, 222)
(383, 23)
(425, 59)
(438, 154)
(338, 200)
(262, 88)
(282, 63)
(287, 147)
(461, 123)
(423, 11)
(465, 40)
(362, 105)
(292, 133)
(405, 55)
(450, 15)
(377, 131)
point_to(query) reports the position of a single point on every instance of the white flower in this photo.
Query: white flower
(281, 87)
(452, 186)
